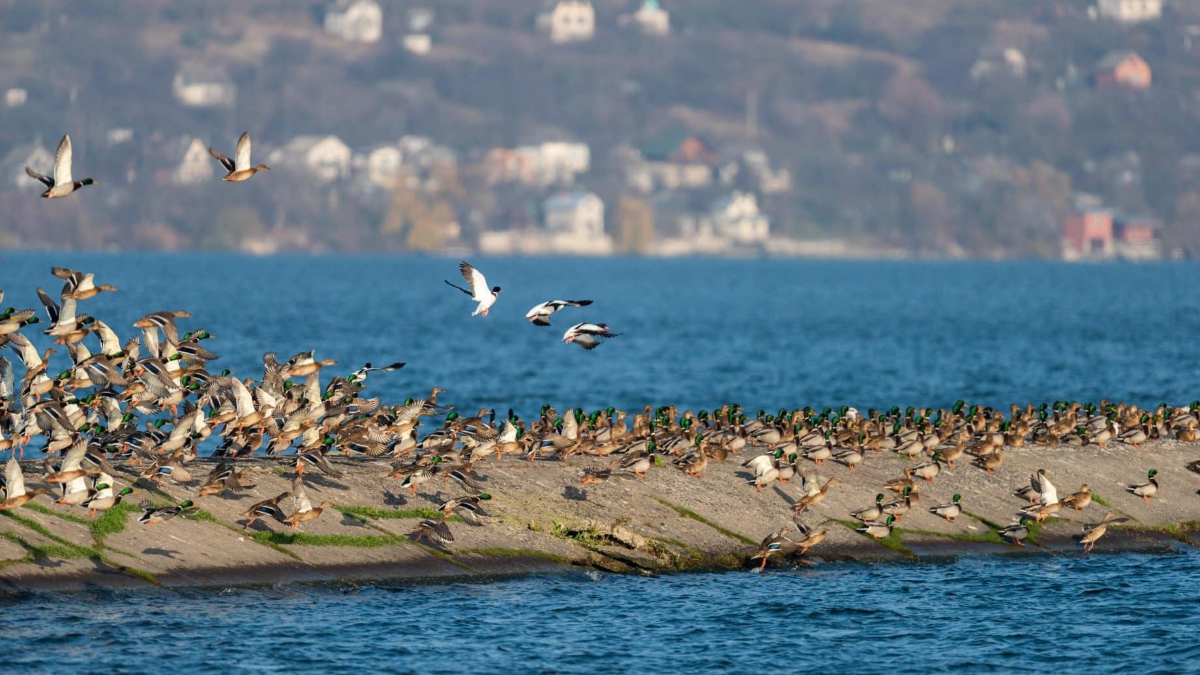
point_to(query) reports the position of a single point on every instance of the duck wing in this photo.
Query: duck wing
(62, 162)
(241, 160)
(476, 280)
(225, 161)
(44, 180)
(14, 480)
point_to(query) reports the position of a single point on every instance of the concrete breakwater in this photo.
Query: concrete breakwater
(543, 518)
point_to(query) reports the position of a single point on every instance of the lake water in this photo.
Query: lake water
(1133, 613)
(696, 334)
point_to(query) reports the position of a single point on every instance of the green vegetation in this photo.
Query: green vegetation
(1101, 501)
(112, 521)
(47, 511)
(686, 513)
(989, 537)
(306, 539)
(517, 553)
(384, 514)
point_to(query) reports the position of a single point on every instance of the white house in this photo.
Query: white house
(418, 43)
(737, 218)
(650, 18)
(196, 165)
(569, 21)
(355, 20)
(202, 86)
(578, 213)
(1131, 11)
(33, 155)
(383, 163)
(327, 157)
(15, 97)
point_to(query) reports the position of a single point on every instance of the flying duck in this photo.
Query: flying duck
(239, 169)
(585, 334)
(479, 288)
(61, 185)
(540, 314)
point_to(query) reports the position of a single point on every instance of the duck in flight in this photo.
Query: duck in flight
(238, 169)
(61, 185)
(585, 334)
(540, 315)
(480, 292)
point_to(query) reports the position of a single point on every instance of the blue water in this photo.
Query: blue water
(696, 334)
(1132, 613)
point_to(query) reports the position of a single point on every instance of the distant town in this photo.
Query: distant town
(692, 183)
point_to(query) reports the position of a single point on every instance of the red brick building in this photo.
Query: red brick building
(1088, 233)
(1123, 69)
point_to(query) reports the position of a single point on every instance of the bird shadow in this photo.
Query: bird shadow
(259, 525)
(574, 494)
(745, 475)
(350, 521)
(791, 501)
(164, 552)
(321, 481)
(392, 499)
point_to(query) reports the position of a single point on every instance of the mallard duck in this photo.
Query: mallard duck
(152, 515)
(1079, 500)
(851, 458)
(467, 508)
(1041, 511)
(61, 185)
(224, 477)
(267, 507)
(1135, 436)
(1042, 491)
(1016, 533)
(436, 531)
(1148, 489)
(898, 484)
(818, 454)
(103, 497)
(990, 463)
(950, 454)
(899, 507)
(1093, 533)
(14, 487)
(1194, 466)
(873, 512)
(305, 511)
(773, 543)
(238, 169)
(814, 497)
(878, 529)
(693, 463)
(949, 511)
(928, 470)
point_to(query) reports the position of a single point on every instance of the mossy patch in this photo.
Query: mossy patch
(112, 521)
(1101, 501)
(45, 510)
(892, 541)
(386, 514)
(305, 539)
(687, 513)
(517, 553)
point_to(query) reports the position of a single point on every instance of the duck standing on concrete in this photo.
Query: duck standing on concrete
(480, 292)
(1148, 489)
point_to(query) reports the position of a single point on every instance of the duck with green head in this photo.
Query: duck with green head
(1148, 489)
(61, 184)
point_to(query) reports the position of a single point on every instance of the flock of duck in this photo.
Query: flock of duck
(146, 404)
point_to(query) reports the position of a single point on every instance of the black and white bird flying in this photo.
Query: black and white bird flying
(486, 297)
(540, 315)
(585, 334)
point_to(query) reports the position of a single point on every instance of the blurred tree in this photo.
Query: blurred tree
(635, 225)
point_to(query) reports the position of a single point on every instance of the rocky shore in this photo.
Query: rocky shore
(544, 519)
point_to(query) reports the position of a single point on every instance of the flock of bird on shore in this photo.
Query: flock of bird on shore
(148, 403)
(110, 407)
